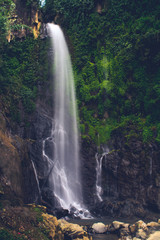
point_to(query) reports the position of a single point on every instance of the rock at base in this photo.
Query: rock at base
(154, 236)
(99, 228)
(74, 231)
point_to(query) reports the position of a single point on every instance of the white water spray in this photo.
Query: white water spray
(66, 171)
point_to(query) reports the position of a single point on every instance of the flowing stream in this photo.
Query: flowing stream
(99, 161)
(65, 177)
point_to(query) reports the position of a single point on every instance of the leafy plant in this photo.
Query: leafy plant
(5, 235)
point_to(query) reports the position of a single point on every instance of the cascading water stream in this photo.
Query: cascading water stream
(98, 176)
(99, 161)
(37, 181)
(65, 178)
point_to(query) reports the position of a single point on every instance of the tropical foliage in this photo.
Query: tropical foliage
(116, 55)
(115, 48)
(22, 66)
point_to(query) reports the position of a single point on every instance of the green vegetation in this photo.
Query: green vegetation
(21, 223)
(5, 235)
(39, 212)
(23, 64)
(22, 69)
(116, 57)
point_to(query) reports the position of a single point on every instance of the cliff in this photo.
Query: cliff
(20, 79)
(24, 18)
(130, 175)
(116, 67)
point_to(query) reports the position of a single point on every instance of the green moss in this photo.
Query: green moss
(38, 212)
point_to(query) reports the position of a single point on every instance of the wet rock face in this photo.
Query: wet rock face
(10, 163)
(88, 171)
(41, 144)
(40, 130)
(40, 150)
(21, 158)
(16, 172)
(130, 177)
(41, 126)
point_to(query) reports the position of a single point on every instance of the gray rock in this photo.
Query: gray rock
(99, 227)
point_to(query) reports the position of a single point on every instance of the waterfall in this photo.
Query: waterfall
(37, 181)
(99, 161)
(65, 178)
(98, 176)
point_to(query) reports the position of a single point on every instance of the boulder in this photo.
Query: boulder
(50, 223)
(139, 229)
(72, 231)
(141, 234)
(124, 231)
(141, 225)
(132, 228)
(99, 227)
(154, 236)
(119, 226)
(153, 225)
